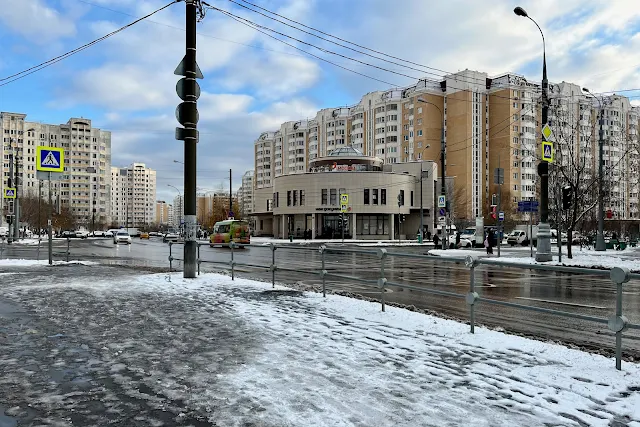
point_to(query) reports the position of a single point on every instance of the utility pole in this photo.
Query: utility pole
(16, 219)
(230, 195)
(421, 236)
(10, 182)
(187, 114)
(50, 224)
(443, 191)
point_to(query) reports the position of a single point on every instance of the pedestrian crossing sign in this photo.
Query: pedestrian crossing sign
(547, 152)
(50, 159)
(9, 193)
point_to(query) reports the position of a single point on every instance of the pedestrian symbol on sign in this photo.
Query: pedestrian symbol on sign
(547, 151)
(51, 160)
(9, 193)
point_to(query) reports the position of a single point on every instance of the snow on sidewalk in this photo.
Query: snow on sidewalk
(334, 361)
(586, 260)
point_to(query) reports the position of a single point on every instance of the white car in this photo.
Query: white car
(170, 237)
(98, 233)
(122, 237)
(109, 233)
(82, 234)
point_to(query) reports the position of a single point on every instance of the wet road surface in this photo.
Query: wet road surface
(588, 294)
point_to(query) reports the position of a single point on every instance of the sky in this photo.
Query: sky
(252, 83)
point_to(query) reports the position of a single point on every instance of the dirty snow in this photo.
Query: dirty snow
(33, 262)
(211, 351)
(338, 241)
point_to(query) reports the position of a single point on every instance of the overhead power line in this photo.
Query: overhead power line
(22, 74)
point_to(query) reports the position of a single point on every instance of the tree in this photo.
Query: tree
(575, 166)
(64, 220)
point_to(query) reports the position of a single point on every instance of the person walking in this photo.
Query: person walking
(435, 240)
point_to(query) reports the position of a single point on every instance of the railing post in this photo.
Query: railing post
(1, 246)
(382, 281)
(170, 257)
(471, 261)
(233, 263)
(273, 265)
(323, 271)
(198, 261)
(68, 244)
(618, 323)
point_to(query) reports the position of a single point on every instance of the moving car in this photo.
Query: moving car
(170, 237)
(144, 235)
(82, 234)
(232, 230)
(122, 237)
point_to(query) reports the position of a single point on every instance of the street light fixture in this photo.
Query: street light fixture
(178, 161)
(600, 243)
(443, 163)
(543, 252)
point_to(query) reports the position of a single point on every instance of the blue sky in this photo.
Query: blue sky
(252, 83)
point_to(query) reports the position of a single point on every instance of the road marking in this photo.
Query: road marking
(573, 304)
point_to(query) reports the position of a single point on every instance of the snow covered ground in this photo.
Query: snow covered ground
(239, 353)
(587, 259)
(42, 262)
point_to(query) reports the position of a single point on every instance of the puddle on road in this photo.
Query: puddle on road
(5, 420)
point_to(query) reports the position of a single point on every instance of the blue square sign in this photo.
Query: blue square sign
(50, 159)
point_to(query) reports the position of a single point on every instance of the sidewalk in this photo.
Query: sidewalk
(586, 259)
(239, 353)
(338, 241)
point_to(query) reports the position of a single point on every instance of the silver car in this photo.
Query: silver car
(122, 237)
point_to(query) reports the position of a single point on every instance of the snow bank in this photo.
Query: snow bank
(33, 262)
(582, 260)
(355, 242)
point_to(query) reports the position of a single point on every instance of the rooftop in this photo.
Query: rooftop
(346, 152)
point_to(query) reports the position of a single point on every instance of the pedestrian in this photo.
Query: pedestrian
(428, 235)
(487, 245)
(435, 240)
(458, 239)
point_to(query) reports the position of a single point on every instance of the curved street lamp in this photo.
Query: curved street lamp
(543, 252)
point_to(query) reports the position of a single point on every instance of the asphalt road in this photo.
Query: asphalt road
(585, 294)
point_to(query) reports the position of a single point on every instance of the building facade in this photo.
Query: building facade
(245, 194)
(84, 188)
(383, 201)
(133, 195)
(486, 123)
(164, 213)
(178, 211)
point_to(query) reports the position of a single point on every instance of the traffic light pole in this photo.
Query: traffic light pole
(16, 205)
(11, 183)
(189, 118)
(50, 224)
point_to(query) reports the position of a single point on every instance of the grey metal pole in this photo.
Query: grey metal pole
(190, 149)
(443, 191)
(342, 225)
(11, 184)
(230, 197)
(50, 224)
(600, 243)
(16, 208)
(39, 218)
(559, 230)
(421, 208)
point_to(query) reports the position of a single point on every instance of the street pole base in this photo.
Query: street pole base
(600, 243)
(190, 259)
(543, 247)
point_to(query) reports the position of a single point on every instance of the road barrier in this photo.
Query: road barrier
(617, 322)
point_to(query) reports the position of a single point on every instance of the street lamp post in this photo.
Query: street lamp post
(600, 243)
(543, 251)
(443, 165)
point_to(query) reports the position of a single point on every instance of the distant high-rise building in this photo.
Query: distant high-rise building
(133, 195)
(245, 194)
(164, 213)
(85, 185)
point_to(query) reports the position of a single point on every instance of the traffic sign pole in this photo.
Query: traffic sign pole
(50, 224)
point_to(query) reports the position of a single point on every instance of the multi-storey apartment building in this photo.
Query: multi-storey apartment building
(85, 185)
(178, 211)
(487, 123)
(133, 195)
(245, 194)
(164, 213)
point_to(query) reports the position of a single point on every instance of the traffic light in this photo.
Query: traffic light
(494, 213)
(567, 197)
(9, 219)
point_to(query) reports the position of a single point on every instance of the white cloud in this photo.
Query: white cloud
(35, 21)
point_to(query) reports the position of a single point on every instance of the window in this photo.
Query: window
(412, 198)
(515, 176)
(401, 197)
(383, 196)
(420, 132)
(366, 196)
(295, 197)
(324, 196)
(333, 197)
(301, 197)
(372, 225)
(419, 110)
(374, 199)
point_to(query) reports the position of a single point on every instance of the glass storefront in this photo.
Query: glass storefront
(331, 227)
(372, 225)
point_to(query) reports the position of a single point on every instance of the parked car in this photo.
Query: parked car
(4, 231)
(109, 234)
(170, 237)
(68, 234)
(144, 235)
(122, 237)
(98, 233)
